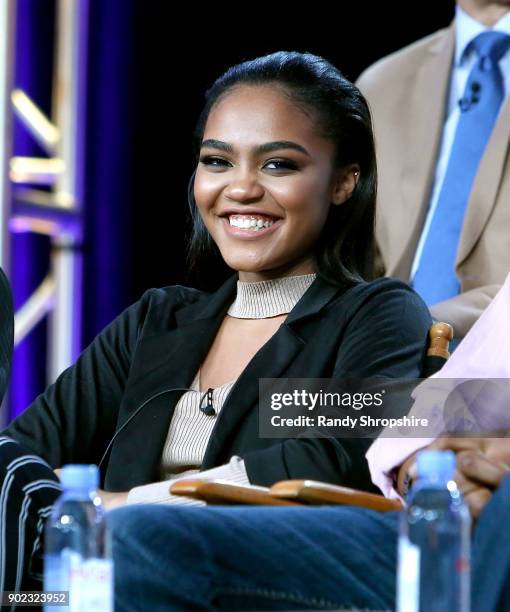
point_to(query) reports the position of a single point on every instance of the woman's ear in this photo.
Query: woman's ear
(344, 183)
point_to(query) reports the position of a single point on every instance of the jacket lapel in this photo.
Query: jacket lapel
(424, 123)
(486, 186)
(272, 360)
(162, 362)
(171, 360)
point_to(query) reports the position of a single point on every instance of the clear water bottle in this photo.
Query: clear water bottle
(434, 543)
(76, 546)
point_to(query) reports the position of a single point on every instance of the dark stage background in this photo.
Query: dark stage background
(174, 74)
(149, 66)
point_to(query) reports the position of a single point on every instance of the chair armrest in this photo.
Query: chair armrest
(313, 492)
(221, 492)
(284, 493)
(440, 336)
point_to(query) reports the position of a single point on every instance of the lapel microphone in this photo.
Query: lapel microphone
(208, 409)
(469, 100)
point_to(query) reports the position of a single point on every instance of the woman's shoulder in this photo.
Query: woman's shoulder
(158, 303)
(385, 301)
(163, 302)
(383, 289)
(172, 295)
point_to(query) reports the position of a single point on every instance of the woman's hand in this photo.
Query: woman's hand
(477, 477)
(482, 463)
(109, 499)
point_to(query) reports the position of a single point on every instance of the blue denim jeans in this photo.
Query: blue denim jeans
(260, 558)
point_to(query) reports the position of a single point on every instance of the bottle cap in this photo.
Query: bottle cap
(436, 465)
(82, 477)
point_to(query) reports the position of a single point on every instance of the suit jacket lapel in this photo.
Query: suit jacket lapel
(424, 119)
(486, 186)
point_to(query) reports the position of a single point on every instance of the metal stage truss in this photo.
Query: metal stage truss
(46, 195)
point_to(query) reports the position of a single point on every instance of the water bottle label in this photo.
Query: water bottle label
(91, 585)
(408, 587)
(57, 568)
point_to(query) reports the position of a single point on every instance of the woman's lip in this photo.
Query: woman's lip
(248, 234)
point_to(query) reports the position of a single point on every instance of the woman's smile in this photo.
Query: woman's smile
(250, 227)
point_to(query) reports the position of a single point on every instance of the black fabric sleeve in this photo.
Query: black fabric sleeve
(6, 332)
(75, 417)
(386, 337)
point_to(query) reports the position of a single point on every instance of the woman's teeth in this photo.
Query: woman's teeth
(249, 222)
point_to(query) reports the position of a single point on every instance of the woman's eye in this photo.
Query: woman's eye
(214, 162)
(280, 164)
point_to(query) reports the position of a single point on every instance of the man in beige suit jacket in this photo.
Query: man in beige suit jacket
(408, 93)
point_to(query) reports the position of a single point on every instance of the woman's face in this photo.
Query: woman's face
(265, 182)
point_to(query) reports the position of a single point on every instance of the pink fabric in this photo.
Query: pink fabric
(483, 353)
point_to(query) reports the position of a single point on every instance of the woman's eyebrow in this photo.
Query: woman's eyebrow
(267, 147)
(211, 143)
(281, 144)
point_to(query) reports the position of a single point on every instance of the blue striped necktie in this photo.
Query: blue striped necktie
(435, 279)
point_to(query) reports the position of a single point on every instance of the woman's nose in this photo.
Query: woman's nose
(244, 187)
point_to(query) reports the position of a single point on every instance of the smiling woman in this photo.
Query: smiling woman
(270, 168)
(284, 191)
(288, 138)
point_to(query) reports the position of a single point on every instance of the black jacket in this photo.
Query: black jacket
(378, 328)
(6, 332)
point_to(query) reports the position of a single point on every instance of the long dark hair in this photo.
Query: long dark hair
(345, 248)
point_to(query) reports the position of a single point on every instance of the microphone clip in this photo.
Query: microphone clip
(470, 99)
(208, 409)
